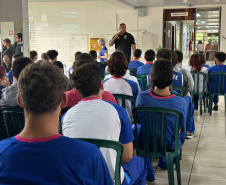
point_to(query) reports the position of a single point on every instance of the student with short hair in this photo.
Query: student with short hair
(203, 61)
(77, 54)
(52, 55)
(73, 95)
(219, 67)
(44, 57)
(135, 63)
(43, 155)
(102, 64)
(159, 96)
(9, 94)
(95, 118)
(33, 56)
(149, 57)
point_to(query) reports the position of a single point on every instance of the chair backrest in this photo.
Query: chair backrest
(133, 71)
(118, 147)
(143, 81)
(70, 71)
(179, 90)
(150, 114)
(217, 80)
(199, 81)
(14, 119)
(123, 99)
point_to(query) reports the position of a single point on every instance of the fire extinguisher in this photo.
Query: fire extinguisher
(190, 45)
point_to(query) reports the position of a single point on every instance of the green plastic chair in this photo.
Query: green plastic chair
(154, 152)
(219, 88)
(123, 98)
(16, 125)
(118, 147)
(143, 81)
(196, 91)
(178, 88)
(133, 71)
(178, 94)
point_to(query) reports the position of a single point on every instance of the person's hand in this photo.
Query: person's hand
(98, 56)
(117, 34)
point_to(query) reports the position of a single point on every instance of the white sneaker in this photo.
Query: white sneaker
(190, 135)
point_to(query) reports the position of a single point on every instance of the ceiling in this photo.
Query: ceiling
(147, 3)
(150, 3)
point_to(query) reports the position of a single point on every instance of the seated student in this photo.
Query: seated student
(95, 118)
(178, 79)
(219, 67)
(159, 96)
(52, 55)
(33, 56)
(7, 64)
(73, 95)
(4, 80)
(44, 57)
(196, 65)
(117, 84)
(9, 94)
(188, 82)
(203, 61)
(61, 67)
(75, 58)
(149, 57)
(43, 155)
(135, 63)
(102, 64)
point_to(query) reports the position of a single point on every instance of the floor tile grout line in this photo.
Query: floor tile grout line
(196, 150)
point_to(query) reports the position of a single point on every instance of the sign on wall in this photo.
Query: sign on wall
(179, 14)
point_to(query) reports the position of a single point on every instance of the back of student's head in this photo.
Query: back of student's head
(2, 72)
(195, 62)
(174, 58)
(164, 53)
(87, 79)
(59, 64)
(202, 58)
(19, 64)
(117, 64)
(33, 54)
(162, 74)
(220, 56)
(77, 54)
(93, 53)
(179, 56)
(149, 55)
(85, 56)
(17, 55)
(41, 87)
(44, 57)
(137, 53)
(52, 54)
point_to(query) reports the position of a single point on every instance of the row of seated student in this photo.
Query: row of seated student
(43, 97)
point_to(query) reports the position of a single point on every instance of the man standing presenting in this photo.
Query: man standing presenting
(123, 41)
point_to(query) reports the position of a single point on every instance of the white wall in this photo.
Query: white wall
(96, 19)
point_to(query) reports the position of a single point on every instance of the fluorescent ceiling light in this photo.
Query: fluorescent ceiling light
(198, 15)
(203, 21)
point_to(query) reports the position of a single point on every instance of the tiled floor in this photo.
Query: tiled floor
(204, 157)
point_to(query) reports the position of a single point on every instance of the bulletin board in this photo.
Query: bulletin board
(94, 44)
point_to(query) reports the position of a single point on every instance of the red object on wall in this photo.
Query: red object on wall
(190, 45)
(10, 32)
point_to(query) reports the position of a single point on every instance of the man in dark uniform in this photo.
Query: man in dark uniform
(123, 41)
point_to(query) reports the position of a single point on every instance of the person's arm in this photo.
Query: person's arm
(127, 152)
(112, 41)
(105, 56)
(133, 48)
(190, 82)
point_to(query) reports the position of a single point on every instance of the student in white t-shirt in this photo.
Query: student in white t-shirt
(96, 118)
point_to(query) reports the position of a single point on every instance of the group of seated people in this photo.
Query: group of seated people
(44, 155)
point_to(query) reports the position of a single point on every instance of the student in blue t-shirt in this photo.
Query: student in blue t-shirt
(135, 63)
(103, 54)
(39, 155)
(149, 57)
(219, 67)
(159, 96)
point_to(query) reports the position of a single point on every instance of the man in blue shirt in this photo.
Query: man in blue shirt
(135, 63)
(219, 67)
(39, 155)
(149, 57)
